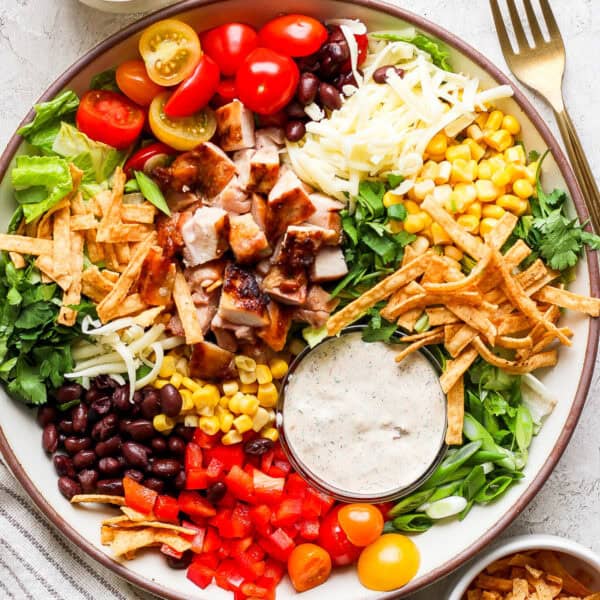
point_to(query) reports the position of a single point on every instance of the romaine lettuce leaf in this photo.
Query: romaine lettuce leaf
(439, 54)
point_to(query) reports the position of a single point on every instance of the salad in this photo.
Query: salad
(208, 208)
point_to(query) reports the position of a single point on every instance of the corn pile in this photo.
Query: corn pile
(476, 179)
(230, 407)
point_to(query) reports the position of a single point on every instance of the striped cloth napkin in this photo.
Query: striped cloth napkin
(38, 563)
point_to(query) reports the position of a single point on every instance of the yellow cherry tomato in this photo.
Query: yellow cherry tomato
(388, 563)
(362, 523)
(308, 566)
(181, 133)
(171, 50)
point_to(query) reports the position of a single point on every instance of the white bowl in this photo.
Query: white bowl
(576, 558)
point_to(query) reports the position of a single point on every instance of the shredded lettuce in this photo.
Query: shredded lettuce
(438, 52)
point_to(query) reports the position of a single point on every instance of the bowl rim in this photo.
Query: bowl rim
(478, 58)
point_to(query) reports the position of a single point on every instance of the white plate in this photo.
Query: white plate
(444, 547)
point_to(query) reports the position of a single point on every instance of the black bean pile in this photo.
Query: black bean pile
(105, 437)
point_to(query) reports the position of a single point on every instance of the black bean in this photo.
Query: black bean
(79, 415)
(105, 382)
(345, 79)
(99, 408)
(159, 444)
(46, 414)
(170, 400)
(50, 438)
(330, 96)
(187, 433)
(140, 430)
(61, 440)
(63, 465)
(309, 64)
(74, 444)
(136, 455)
(69, 392)
(84, 459)
(109, 466)
(113, 487)
(93, 394)
(150, 406)
(329, 68)
(165, 467)
(179, 481)
(180, 563)
(68, 487)
(307, 88)
(335, 34)
(66, 426)
(380, 74)
(88, 479)
(176, 445)
(134, 474)
(120, 399)
(124, 424)
(154, 484)
(295, 110)
(338, 51)
(295, 130)
(215, 492)
(258, 446)
(110, 447)
(105, 428)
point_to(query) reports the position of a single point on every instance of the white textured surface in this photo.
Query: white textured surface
(40, 38)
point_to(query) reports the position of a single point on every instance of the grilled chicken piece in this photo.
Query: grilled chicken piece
(205, 235)
(327, 215)
(242, 301)
(273, 137)
(316, 309)
(329, 264)
(285, 287)
(235, 126)
(263, 168)
(180, 201)
(157, 278)
(259, 211)
(300, 245)
(208, 361)
(206, 169)
(242, 333)
(206, 275)
(168, 229)
(242, 159)
(276, 332)
(289, 204)
(247, 239)
(232, 198)
(225, 339)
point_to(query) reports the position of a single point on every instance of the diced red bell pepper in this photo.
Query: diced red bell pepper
(193, 456)
(222, 519)
(239, 546)
(309, 529)
(214, 469)
(279, 545)
(228, 576)
(196, 479)
(325, 500)
(279, 452)
(200, 574)
(311, 506)
(266, 461)
(229, 455)
(288, 512)
(166, 549)
(251, 590)
(208, 560)
(385, 508)
(198, 541)
(212, 541)
(234, 524)
(268, 490)
(261, 517)
(228, 500)
(255, 552)
(139, 497)
(193, 504)
(280, 468)
(292, 530)
(274, 570)
(223, 551)
(251, 569)
(166, 509)
(204, 440)
(239, 483)
(295, 486)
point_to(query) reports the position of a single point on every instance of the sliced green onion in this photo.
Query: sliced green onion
(414, 523)
(494, 489)
(411, 502)
(452, 463)
(447, 507)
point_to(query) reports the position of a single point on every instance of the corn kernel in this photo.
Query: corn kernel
(176, 380)
(474, 132)
(453, 252)
(467, 191)
(516, 171)
(486, 190)
(414, 223)
(430, 170)
(463, 171)
(245, 363)
(206, 411)
(487, 225)
(427, 218)
(249, 404)
(182, 366)
(496, 163)
(190, 384)
(278, 368)
(510, 202)
(455, 203)
(270, 433)
(243, 423)
(226, 422)
(437, 144)
(443, 172)
(272, 415)
(260, 419)
(389, 199)
(249, 388)
(494, 121)
(531, 171)
(441, 194)
(163, 423)
(206, 396)
(420, 245)
(475, 209)
(263, 374)
(484, 170)
(395, 226)
(481, 119)
(267, 395)
(160, 383)
(247, 376)
(412, 208)
(230, 387)
(511, 124)
(515, 154)
(167, 368)
(235, 403)
(210, 425)
(477, 151)
(187, 400)
(522, 188)
(492, 210)
(458, 152)
(190, 421)
(439, 235)
(423, 188)
(469, 222)
(499, 140)
(231, 437)
(296, 346)
(223, 402)
(501, 178)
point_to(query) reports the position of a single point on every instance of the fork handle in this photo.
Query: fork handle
(583, 172)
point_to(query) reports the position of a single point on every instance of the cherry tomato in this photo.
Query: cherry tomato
(362, 42)
(228, 45)
(309, 565)
(133, 81)
(226, 92)
(294, 35)
(109, 117)
(336, 542)
(153, 152)
(184, 133)
(195, 92)
(388, 563)
(171, 50)
(266, 81)
(362, 523)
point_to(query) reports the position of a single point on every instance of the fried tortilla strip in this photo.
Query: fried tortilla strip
(474, 594)
(187, 310)
(546, 340)
(79, 206)
(476, 319)
(541, 283)
(138, 213)
(112, 276)
(111, 213)
(435, 338)
(94, 250)
(513, 324)
(497, 237)
(534, 272)
(378, 292)
(135, 515)
(111, 257)
(409, 254)
(516, 560)
(520, 590)
(83, 222)
(124, 233)
(393, 310)
(419, 336)
(456, 412)
(45, 264)
(435, 271)
(115, 521)
(514, 256)
(122, 252)
(505, 341)
(550, 563)
(172, 540)
(61, 234)
(17, 260)
(25, 244)
(45, 225)
(72, 297)
(451, 330)
(94, 276)
(497, 584)
(132, 305)
(461, 339)
(107, 535)
(128, 277)
(409, 319)
(148, 317)
(98, 498)
(536, 361)
(456, 368)
(124, 521)
(127, 540)
(564, 299)
(466, 282)
(440, 315)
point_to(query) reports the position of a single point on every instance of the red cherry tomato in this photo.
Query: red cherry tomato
(109, 117)
(134, 82)
(194, 92)
(266, 81)
(294, 35)
(336, 542)
(138, 160)
(362, 42)
(228, 45)
(226, 92)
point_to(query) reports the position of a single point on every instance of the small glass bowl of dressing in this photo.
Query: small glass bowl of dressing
(359, 426)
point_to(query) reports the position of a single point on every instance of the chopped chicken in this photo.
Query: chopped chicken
(259, 211)
(180, 201)
(168, 229)
(157, 278)
(289, 203)
(287, 288)
(315, 318)
(270, 137)
(300, 246)
(264, 168)
(175, 327)
(275, 333)
(206, 313)
(247, 239)
(242, 301)
(235, 126)
(206, 275)
(329, 264)
(242, 159)
(208, 361)
(205, 235)
(327, 215)
(240, 332)
(316, 309)
(225, 339)
(232, 198)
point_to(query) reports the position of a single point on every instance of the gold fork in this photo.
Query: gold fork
(541, 67)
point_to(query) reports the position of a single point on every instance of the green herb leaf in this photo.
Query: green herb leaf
(106, 80)
(151, 192)
(438, 52)
(397, 211)
(394, 180)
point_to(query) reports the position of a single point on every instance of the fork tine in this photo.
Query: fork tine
(517, 26)
(536, 32)
(553, 29)
(501, 29)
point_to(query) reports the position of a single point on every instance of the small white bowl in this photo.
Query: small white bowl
(576, 558)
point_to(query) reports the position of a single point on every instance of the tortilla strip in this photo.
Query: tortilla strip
(460, 284)
(187, 310)
(83, 222)
(123, 253)
(17, 260)
(393, 311)
(79, 206)
(497, 237)
(456, 412)
(125, 522)
(94, 250)
(419, 336)
(565, 299)
(498, 584)
(550, 563)
(435, 271)
(45, 264)
(107, 535)
(111, 257)
(148, 317)
(440, 315)
(135, 515)
(378, 292)
(61, 234)
(173, 540)
(98, 498)
(25, 244)
(549, 277)
(112, 212)
(462, 338)
(92, 275)
(409, 254)
(111, 276)
(456, 368)
(513, 324)
(520, 590)
(124, 233)
(125, 541)
(138, 213)
(409, 319)
(536, 361)
(131, 305)
(91, 291)
(504, 341)
(72, 296)
(476, 319)
(44, 224)
(546, 340)
(434, 338)
(514, 256)
(450, 331)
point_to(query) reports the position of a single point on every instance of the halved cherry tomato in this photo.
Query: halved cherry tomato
(362, 42)
(228, 45)
(134, 82)
(362, 523)
(194, 92)
(293, 35)
(109, 117)
(157, 152)
(388, 563)
(184, 133)
(226, 92)
(170, 49)
(309, 565)
(266, 81)
(333, 538)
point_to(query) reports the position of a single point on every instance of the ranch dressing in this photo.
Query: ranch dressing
(359, 421)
